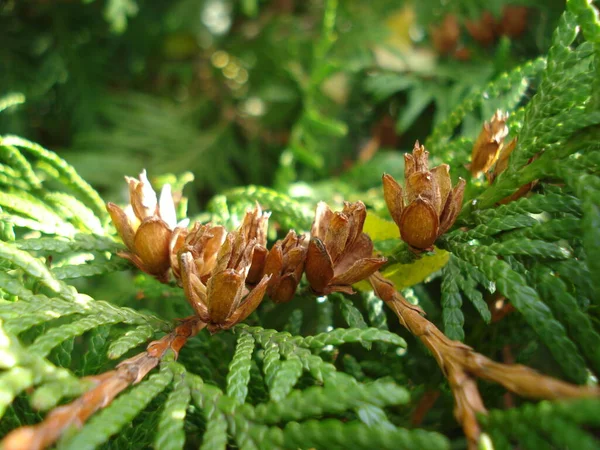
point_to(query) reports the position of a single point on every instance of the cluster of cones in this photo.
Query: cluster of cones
(226, 274)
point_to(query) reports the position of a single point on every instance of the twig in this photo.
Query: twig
(462, 365)
(109, 385)
(425, 404)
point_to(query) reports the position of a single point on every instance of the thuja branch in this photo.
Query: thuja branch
(461, 365)
(108, 386)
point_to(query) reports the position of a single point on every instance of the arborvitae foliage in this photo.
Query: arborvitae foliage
(513, 278)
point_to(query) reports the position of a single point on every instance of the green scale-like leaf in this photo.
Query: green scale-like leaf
(26, 369)
(547, 424)
(17, 161)
(75, 212)
(590, 225)
(249, 435)
(536, 204)
(129, 340)
(468, 279)
(564, 66)
(207, 397)
(319, 401)
(540, 251)
(14, 382)
(33, 208)
(552, 230)
(527, 247)
(348, 335)
(13, 99)
(292, 348)
(376, 311)
(94, 268)
(67, 172)
(332, 434)
(55, 336)
(526, 300)
(277, 202)
(50, 394)
(452, 302)
(79, 303)
(271, 362)
(286, 377)
(170, 434)
(494, 226)
(215, 436)
(21, 316)
(503, 83)
(553, 292)
(587, 18)
(30, 265)
(79, 243)
(351, 314)
(11, 178)
(576, 274)
(239, 369)
(559, 109)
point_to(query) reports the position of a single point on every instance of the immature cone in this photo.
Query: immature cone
(203, 242)
(224, 299)
(445, 35)
(339, 253)
(488, 144)
(285, 264)
(147, 226)
(482, 30)
(429, 206)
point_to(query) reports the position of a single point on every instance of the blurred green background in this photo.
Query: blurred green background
(245, 92)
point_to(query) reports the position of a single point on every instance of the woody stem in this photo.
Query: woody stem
(462, 365)
(108, 386)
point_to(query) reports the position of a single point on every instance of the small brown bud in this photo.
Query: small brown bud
(339, 253)
(429, 205)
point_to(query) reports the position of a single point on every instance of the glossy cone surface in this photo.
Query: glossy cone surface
(428, 206)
